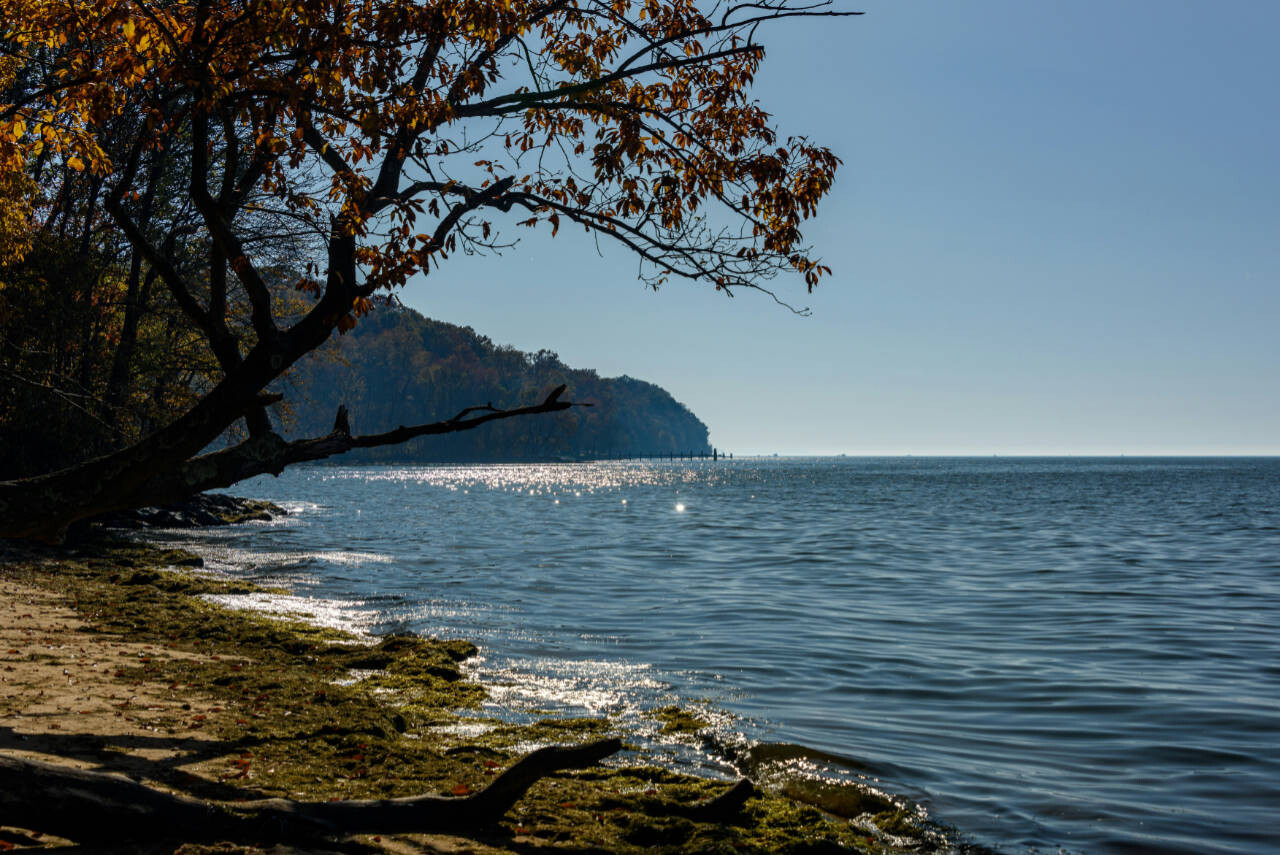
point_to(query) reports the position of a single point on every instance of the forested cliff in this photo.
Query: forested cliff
(397, 367)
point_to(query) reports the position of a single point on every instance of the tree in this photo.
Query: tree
(372, 140)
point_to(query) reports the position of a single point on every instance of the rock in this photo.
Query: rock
(206, 509)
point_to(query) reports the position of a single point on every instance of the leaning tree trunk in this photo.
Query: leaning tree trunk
(43, 506)
(163, 469)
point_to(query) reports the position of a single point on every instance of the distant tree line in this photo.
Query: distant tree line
(398, 367)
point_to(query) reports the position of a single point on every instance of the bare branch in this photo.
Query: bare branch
(270, 453)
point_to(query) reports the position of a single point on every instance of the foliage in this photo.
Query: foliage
(398, 367)
(16, 187)
(16, 190)
(628, 118)
(58, 347)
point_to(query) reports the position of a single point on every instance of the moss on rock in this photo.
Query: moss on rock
(674, 719)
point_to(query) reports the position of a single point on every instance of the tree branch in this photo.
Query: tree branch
(270, 453)
(220, 229)
(517, 101)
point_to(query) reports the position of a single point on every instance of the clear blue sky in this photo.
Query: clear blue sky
(1057, 230)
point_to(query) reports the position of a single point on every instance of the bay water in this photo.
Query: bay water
(1045, 655)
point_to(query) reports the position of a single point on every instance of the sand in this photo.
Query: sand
(59, 700)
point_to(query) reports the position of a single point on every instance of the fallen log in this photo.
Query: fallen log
(103, 807)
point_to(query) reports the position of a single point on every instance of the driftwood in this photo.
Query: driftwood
(721, 808)
(101, 807)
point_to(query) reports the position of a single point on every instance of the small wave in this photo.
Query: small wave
(343, 557)
(299, 506)
(345, 615)
(590, 687)
(261, 560)
(764, 753)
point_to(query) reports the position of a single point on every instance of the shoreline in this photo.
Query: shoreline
(115, 662)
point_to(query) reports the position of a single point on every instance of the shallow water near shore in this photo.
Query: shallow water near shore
(1048, 654)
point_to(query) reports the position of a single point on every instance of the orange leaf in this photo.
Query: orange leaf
(461, 790)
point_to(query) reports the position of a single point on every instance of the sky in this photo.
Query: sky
(1056, 231)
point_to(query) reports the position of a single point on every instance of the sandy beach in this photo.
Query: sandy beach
(58, 687)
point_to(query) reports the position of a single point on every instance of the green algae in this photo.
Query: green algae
(251, 510)
(677, 720)
(311, 713)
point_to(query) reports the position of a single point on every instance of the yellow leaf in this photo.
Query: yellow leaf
(75, 163)
(17, 129)
(128, 30)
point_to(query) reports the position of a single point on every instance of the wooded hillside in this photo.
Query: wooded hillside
(398, 367)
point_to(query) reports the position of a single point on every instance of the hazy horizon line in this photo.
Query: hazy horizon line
(974, 454)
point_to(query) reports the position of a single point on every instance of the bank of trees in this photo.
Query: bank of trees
(398, 367)
(197, 195)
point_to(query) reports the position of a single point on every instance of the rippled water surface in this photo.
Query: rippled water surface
(1075, 654)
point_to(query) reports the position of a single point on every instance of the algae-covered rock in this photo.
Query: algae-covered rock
(674, 719)
(206, 509)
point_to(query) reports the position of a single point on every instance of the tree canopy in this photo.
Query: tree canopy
(238, 152)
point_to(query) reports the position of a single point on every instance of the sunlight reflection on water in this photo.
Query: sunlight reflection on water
(346, 615)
